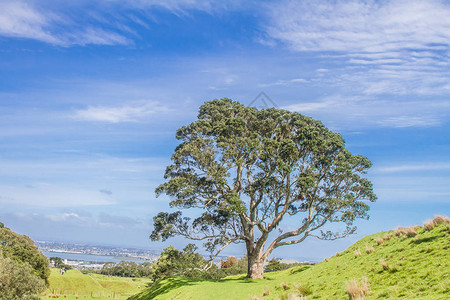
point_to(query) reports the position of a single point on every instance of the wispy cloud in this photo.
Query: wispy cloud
(50, 195)
(389, 47)
(100, 23)
(413, 167)
(19, 19)
(27, 20)
(284, 82)
(361, 26)
(127, 113)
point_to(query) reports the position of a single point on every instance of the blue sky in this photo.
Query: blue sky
(91, 95)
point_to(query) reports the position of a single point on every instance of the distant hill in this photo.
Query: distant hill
(77, 285)
(406, 263)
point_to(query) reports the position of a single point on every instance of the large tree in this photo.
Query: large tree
(244, 171)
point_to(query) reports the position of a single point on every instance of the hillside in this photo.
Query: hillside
(92, 286)
(406, 263)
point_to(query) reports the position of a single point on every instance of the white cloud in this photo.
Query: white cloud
(19, 19)
(50, 195)
(361, 26)
(367, 111)
(284, 82)
(412, 167)
(127, 113)
(311, 106)
(410, 121)
(81, 24)
(388, 47)
(25, 20)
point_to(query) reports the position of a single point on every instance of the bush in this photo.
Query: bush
(18, 281)
(22, 249)
(231, 261)
(357, 290)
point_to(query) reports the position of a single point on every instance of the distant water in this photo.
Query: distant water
(89, 257)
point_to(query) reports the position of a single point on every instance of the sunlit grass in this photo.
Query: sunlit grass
(407, 266)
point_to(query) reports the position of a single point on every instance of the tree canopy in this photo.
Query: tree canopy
(22, 249)
(23, 269)
(246, 170)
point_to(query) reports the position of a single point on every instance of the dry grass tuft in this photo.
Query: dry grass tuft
(304, 290)
(266, 292)
(411, 231)
(384, 264)
(428, 225)
(399, 231)
(406, 231)
(441, 220)
(387, 237)
(285, 286)
(357, 253)
(379, 241)
(327, 259)
(357, 290)
(369, 249)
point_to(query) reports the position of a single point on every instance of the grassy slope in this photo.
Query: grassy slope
(100, 287)
(418, 268)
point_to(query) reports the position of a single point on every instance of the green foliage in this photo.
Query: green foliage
(22, 249)
(246, 169)
(421, 262)
(58, 263)
(173, 262)
(127, 269)
(276, 265)
(17, 280)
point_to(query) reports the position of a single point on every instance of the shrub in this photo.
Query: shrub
(357, 290)
(369, 249)
(231, 261)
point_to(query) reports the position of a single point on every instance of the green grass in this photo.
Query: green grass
(414, 268)
(92, 286)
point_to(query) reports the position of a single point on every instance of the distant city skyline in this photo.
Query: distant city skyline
(91, 95)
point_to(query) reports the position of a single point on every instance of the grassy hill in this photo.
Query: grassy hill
(406, 263)
(91, 286)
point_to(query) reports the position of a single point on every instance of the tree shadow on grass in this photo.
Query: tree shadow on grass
(424, 240)
(163, 287)
(172, 283)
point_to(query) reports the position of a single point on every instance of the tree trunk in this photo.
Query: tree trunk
(255, 266)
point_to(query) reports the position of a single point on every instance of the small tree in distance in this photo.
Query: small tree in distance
(247, 170)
